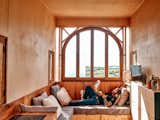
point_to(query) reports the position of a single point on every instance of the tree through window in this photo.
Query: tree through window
(92, 53)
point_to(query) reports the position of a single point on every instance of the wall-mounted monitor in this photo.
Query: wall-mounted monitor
(136, 70)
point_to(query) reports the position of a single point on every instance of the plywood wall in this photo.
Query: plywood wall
(145, 26)
(75, 87)
(29, 27)
(4, 12)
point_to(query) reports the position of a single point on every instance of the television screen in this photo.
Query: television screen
(136, 70)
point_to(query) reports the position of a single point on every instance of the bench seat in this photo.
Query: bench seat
(96, 110)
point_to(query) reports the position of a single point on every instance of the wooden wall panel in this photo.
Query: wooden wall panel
(146, 36)
(13, 107)
(116, 117)
(30, 35)
(4, 17)
(75, 87)
(79, 117)
(98, 8)
(101, 117)
(82, 21)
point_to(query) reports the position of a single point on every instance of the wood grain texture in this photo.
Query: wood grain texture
(91, 21)
(30, 36)
(12, 108)
(116, 117)
(145, 36)
(100, 8)
(4, 16)
(79, 117)
(74, 87)
(101, 117)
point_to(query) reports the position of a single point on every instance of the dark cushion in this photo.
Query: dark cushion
(38, 100)
(27, 108)
(55, 89)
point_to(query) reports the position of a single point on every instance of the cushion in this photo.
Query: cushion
(55, 89)
(63, 96)
(117, 99)
(123, 97)
(52, 102)
(38, 100)
(27, 108)
(102, 110)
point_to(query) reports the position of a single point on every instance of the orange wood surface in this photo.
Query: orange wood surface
(12, 108)
(82, 21)
(74, 87)
(96, 8)
(101, 117)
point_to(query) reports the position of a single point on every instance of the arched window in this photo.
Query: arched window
(92, 53)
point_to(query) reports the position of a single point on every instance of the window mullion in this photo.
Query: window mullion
(92, 53)
(106, 55)
(77, 55)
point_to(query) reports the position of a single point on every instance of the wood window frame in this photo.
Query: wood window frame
(51, 65)
(78, 78)
(3, 40)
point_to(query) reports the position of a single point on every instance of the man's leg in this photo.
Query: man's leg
(89, 92)
(90, 101)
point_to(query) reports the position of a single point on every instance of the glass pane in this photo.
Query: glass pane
(70, 29)
(113, 58)
(85, 54)
(67, 31)
(64, 35)
(70, 58)
(119, 35)
(114, 29)
(99, 54)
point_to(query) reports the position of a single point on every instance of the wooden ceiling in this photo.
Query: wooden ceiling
(93, 8)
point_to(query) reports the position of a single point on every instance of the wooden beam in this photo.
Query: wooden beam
(80, 21)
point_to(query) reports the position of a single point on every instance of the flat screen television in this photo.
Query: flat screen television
(136, 70)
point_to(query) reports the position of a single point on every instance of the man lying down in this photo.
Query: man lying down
(92, 96)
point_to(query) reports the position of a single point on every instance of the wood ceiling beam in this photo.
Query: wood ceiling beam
(80, 21)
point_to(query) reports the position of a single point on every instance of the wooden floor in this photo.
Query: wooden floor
(101, 117)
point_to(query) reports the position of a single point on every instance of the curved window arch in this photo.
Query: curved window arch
(92, 53)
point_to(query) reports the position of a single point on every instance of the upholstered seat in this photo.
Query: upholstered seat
(92, 110)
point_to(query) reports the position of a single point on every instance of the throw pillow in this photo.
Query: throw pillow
(55, 89)
(123, 97)
(63, 96)
(38, 100)
(52, 102)
(117, 99)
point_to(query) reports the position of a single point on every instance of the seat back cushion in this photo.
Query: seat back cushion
(52, 102)
(55, 89)
(38, 100)
(63, 96)
(123, 97)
